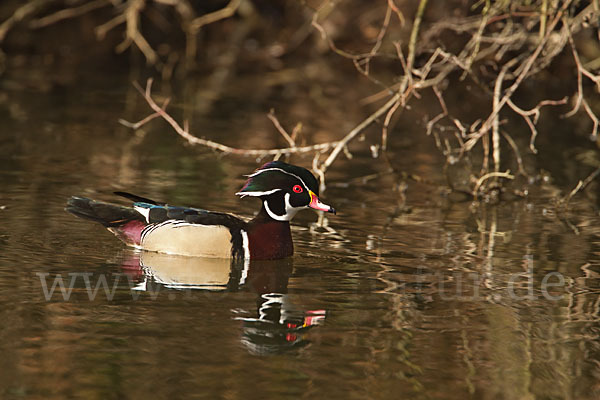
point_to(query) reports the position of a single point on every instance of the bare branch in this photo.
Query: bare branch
(20, 14)
(527, 66)
(580, 186)
(515, 148)
(194, 140)
(386, 123)
(68, 13)
(359, 128)
(132, 16)
(209, 18)
(536, 114)
(580, 97)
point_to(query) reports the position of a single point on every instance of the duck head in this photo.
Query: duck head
(284, 190)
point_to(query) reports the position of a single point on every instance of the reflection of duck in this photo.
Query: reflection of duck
(278, 327)
(182, 272)
(283, 189)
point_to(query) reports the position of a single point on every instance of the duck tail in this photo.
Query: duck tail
(109, 215)
(125, 222)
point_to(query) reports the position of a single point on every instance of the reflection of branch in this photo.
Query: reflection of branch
(480, 181)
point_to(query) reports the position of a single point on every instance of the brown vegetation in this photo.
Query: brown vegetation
(406, 52)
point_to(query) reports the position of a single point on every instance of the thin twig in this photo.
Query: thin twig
(515, 148)
(20, 14)
(535, 111)
(378, 42)
(103, 29)
(68, 13)
(359, 128)
(580, 186)
(275, 121)
(140, 123)
(386, 123)
(477, 39)
(412, 43)
(132, 17)
(580, 98)
(496, 119)
(209, 18)
(399, 14)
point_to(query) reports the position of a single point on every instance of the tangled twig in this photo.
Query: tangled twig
(335, 146)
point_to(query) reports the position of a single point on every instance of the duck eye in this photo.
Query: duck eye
(297, 189)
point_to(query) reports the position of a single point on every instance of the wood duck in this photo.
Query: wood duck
(283, 189)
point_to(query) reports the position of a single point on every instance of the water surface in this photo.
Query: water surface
(423, 296)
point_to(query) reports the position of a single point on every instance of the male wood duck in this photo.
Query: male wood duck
(283, 189)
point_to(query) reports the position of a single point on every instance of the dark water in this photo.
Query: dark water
(418, 297)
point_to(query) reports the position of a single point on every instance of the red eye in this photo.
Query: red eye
(297, 189)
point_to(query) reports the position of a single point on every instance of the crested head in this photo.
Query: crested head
(277, 175)
(285, 189)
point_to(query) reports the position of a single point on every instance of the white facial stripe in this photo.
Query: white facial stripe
(280, 170)
(257, 194)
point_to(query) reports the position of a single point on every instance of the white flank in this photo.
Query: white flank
(184, 238)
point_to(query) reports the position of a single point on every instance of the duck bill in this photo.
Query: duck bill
(317, 205)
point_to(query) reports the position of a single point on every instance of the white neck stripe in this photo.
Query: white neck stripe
(273, 215)
(290, 211)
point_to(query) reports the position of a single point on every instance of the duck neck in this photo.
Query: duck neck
(269, 238)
